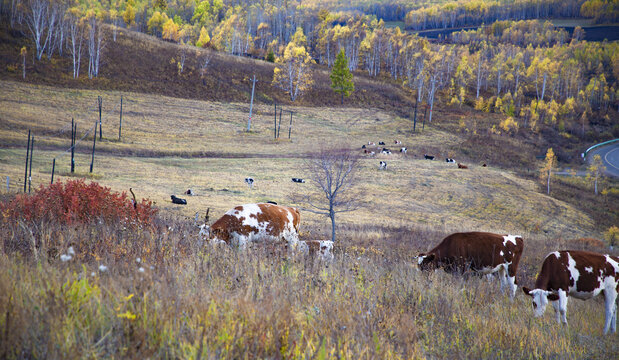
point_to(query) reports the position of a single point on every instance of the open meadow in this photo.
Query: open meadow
(193, 301)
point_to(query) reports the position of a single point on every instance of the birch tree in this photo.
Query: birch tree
(595, 171)
(293, 71)
(546, 171)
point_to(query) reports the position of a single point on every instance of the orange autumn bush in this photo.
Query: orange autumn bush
(75, 201)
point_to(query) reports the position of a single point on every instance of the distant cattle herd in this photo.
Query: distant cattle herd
(580, 274)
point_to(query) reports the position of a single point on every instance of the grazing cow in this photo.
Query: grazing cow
(190, 192)
(450, 160)
(581, 274)
(428, 157)
(253, 223)
(298, 180)
(250, 182)
(321, 249)
(484, 165)
(371, 153)
(482, 252)
(179, 201)
(381, 143)
(363, 147)
(397, 142)
(385, 151)
(371, 143)
(382, 165)
(403, 150)
(462, 166)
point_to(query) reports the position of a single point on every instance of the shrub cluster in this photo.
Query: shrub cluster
(77, 202)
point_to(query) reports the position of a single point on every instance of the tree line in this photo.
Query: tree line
(528, 70)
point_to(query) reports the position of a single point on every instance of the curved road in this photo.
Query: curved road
(610, 157)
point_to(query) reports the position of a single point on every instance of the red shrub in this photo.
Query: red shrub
(78, 202)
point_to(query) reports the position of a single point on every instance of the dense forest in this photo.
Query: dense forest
(528, 70)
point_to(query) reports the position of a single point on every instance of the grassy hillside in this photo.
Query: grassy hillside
(170, 145)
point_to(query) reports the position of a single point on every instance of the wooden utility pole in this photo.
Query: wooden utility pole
(53, 169)
(94, 140)
(120, 125)
(30, 170)
(275, 123)
(280, 122)
(27, 153)
(251, 103)
(415, 116)
(100, 99)
(73, 132)
(290, 126)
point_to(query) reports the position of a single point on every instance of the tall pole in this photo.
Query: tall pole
(31, 156)
(73, 131)
(27, 153)
(53, 169)
(120, 126)
(94, 140)
(251, 103)
(280, 122)
(290, 126)
(100, 99)
(415, 116)
(275, 123)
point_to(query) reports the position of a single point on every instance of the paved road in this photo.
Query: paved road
(610, 156)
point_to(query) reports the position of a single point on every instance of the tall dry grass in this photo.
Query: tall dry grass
(195, 301)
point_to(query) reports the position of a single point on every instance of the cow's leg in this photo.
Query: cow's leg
(502, 278)
(563, 305)
(511, 281)
(613, 324)
(555, 305)
(610, 302)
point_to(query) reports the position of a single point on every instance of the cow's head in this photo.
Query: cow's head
(540, 299)
(426, 261)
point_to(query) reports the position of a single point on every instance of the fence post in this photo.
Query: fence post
(275, 123)
(27, 154)
(100, 99)
(53, 169)
(94, 140)
(290, 126)
(73, 132)
(120, 126)
(31, 156)
(280, 122)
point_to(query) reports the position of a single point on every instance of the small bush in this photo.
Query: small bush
(77, 202)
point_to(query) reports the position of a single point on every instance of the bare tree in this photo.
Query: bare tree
(333, 173)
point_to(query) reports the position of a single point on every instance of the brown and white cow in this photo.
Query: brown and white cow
(581, 274)
(482, 252)
(252, 223)
(320, 249)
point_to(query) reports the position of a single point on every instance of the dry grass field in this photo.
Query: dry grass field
(200, 302)
(170, 145)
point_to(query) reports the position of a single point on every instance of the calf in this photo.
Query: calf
(385, 151)
(321, 249)
(253, 223)
(190, 192)
(462, 166)
(250, 182)
(428, 157)
(363, 147)
(297, 180)
(482, 252)
(397, 142)
(371, 143)
(382, 165)
(403, 150)
(450, 160)
(177, 200)
(381, 143)
(581, 274)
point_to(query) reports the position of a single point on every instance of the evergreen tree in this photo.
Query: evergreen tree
(341, 78)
